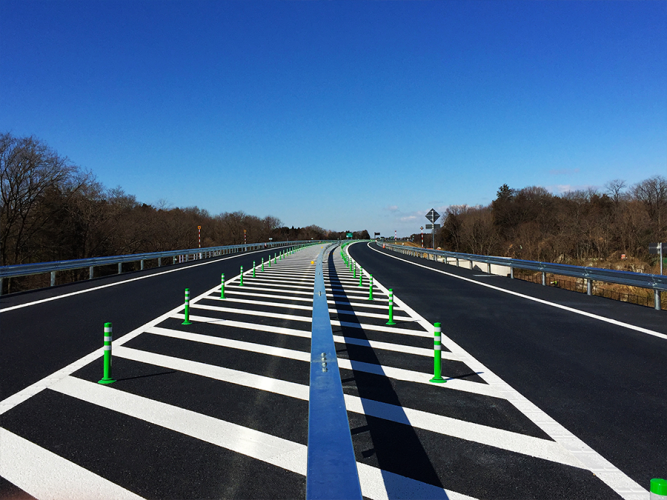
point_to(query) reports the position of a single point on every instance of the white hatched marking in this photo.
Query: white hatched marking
(382, 328)
(233, 344)
(47, 476)
(282, 305)
(249, 442)
(370, 315)
(518, 443)
(237, 291)
(608, 473)
(250, 312)
(242, 324)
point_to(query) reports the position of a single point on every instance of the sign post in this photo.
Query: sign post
(433, 216)
(660, 249)
(421, 228)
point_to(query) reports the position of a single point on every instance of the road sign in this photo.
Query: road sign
(432, 226)
(654, 248)
(377, 234)
(433, 215)
(349, 235)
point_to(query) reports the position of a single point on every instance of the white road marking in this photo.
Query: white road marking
(45, 475)
(534, 299)
(490, 436)
(596, 463)
(57, 297)
(250, 312)
(270, 449)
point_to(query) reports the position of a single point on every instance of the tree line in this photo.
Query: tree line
(573, 227)
(52, 210)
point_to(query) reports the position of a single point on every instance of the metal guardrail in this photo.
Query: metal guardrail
(654, 282)
(65, 265)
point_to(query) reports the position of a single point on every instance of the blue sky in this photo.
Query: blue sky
(349, 115)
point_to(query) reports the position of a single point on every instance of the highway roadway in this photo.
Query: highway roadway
(596, 366)
(540, 401)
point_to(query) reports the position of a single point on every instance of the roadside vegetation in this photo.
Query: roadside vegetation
(50, 209)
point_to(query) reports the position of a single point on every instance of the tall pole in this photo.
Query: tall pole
(394, 234)
(421, 228)
(199, 235)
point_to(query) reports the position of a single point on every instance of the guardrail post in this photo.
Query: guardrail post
(187, 307)
(370, 287)
(544, 278)
(658, 306)
(1, 289)
(488, 267)
(108, 337)
(91, 273)
(658, 489)
(457, 262)
(222, 286)
(391, 308)
(159, 261)
(511, 272)
(241, 284)
(589, 286)
(120, 268)
(471, 264)
(53, 278)
(437, 356)
(142, 264)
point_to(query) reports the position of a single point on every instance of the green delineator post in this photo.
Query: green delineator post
(658, 489)
(391, 308)
(222, 286)
(253, 268)
(187, 307)
(241, 284)
(262, 264)
(108, 337)
(437, 357)
(354, 271)
(370, 287)
(361, 276)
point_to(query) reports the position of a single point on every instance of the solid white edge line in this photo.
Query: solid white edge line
(78, 292)
(617, 480)
(534, 299)
(45, 475)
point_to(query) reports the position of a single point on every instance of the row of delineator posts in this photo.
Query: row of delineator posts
(107, 378)
(658, 488)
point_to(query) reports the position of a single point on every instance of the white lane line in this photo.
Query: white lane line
(382, 328)
(245, 379)
(19, 306)
(233, 344)
(276, 285)
(490, 436)
(281, 305)
(626, 487)
(252, 289)
(250, 312)
(534, 299)
(270, 449)
(469, 431)
(236, 291)
(420, 378)
(370, 315)
(242, 324)
(45, 475)
(259, 445)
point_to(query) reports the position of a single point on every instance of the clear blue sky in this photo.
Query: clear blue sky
(349, 115)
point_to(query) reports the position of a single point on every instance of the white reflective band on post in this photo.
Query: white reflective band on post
(107, 329)
(107, 347)
(108, 339)
(438, 329)
(437, 347)
(437, 338)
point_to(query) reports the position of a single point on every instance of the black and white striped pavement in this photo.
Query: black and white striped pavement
(473, 436)
(219, 408)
